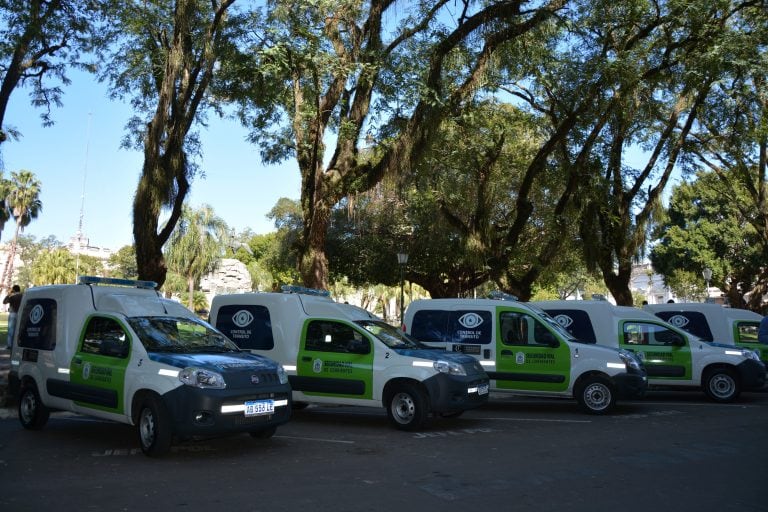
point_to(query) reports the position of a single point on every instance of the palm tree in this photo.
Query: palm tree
(23, 203)
(57, 266)
(196, 245)
(5, 187)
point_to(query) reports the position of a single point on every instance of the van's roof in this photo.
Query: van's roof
(707, 309)
(601, 306)
(114, 299)
(311, 305)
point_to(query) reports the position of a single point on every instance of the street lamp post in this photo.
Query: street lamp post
(402, 260)
(707, 273)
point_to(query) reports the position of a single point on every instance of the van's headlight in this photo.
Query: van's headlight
(201, 378)
(281, 374)
(629, 359)
(449, 368)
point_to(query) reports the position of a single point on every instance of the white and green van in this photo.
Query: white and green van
(716, 323)
(673, 358)
(525, 352)
(117, 350)
(341, 354)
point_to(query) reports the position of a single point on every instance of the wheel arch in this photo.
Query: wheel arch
(586, 376)
(393, 384)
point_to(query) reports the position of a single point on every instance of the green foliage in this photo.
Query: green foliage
(196, 245)
(40, 42)
(122, 264)
(704, 228)
(56, 266)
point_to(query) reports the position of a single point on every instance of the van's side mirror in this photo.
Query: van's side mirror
(550, 340)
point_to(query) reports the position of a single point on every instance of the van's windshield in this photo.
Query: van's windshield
(179, 334)
(390, 336)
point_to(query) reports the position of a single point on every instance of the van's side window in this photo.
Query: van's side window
(329, 336)
(746, 332)
(105, 336)
(523, 329)
(640, 333)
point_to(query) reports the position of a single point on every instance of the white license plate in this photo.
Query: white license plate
(482, 389)
(259, 407)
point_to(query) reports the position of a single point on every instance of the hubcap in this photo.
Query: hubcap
(597, 396)
(28, 407)
(147, 428)
(403, 408)
(721, 386)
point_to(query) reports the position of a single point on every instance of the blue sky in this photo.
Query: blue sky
(81, 151)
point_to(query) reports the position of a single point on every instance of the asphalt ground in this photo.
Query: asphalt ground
(668, 452)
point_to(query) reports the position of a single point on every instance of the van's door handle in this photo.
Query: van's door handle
(306, 358)
(77, 360)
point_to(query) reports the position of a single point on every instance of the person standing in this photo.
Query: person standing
(13, 300)
(762, 333)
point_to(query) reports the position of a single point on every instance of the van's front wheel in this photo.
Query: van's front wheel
(722, 385)
(595, 395)
(407, 408)
(154, 427)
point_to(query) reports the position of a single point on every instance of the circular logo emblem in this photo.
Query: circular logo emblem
(564, 320)
(86, 371)
(678, 321)
(242, 318)
(470, 320)
(36, 314)
(255, 379)
(520, 358)
(317, 365)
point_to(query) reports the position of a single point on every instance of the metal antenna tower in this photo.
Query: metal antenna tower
(79, 234)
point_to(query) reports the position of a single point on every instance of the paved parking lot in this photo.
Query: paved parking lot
(673, 451)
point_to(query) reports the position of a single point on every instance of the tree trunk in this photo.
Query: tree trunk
(618, 285)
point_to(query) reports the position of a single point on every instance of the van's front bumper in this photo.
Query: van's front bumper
(752, 374)
(631, 385)
(451, 393)
(203, 412)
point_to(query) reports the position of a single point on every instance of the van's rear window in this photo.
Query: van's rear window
(249, 326)
(689, 321)
(37, 324)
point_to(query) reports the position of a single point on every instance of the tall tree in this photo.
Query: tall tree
(165, 59)
(24, 205)
(705, 227)
(41, 39)
(196, 246)
(625, 75)
(731, 139)
(361, 74)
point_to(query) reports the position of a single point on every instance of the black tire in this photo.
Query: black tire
(264, 433)
(596, 395)
(407, 407)
(33, 415)
(722, 385)
(154, 427)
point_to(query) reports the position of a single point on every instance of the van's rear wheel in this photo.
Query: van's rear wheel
(722, 385)
(407, 408)
(595, 395)
(154, 427)
(32, 413)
